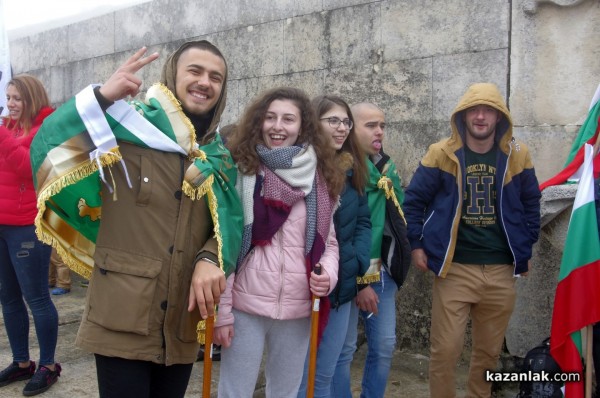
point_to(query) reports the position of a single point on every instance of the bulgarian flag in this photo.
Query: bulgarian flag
(587, 128)
(588, 133)
(577, 299)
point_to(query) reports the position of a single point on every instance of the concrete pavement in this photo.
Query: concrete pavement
(408, 377)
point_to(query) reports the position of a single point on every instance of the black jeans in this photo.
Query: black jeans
(125, 378)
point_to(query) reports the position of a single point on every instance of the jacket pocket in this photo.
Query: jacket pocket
(188, 325)
(188, 321)
(122, 292)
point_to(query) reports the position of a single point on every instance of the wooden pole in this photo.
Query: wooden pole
(314, 336)
(207, 371)
(589, 362)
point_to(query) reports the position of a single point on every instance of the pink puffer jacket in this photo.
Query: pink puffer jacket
(272, 280)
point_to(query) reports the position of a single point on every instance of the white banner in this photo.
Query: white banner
(5, 71)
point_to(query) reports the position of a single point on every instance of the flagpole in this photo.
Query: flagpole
(588, 361)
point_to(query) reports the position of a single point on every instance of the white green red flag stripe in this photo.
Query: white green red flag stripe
(588, 133)
(577, 299)
(588, 127)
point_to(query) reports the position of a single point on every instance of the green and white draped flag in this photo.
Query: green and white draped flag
(381, 186)
(79, 141)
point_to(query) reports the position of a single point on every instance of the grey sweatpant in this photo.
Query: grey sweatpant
(286, 344)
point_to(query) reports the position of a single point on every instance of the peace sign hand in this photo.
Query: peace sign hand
(124, 82)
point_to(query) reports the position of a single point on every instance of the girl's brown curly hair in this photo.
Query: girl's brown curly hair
(248, 134)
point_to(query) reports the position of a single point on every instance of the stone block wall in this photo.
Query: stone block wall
(414, 58)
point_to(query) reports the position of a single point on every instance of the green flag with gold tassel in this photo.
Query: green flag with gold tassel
(71, 161)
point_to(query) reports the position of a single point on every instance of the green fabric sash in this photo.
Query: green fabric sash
(68, 180)
(380, 187)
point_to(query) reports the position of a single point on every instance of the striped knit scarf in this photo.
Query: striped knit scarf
(286, 176)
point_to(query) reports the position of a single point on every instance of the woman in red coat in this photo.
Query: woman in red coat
(24, 259)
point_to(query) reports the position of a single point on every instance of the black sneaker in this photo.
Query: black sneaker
(14, 373)
(42, 380)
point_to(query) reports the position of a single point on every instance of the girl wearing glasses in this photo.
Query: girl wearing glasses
(353, 232)
(289, 186)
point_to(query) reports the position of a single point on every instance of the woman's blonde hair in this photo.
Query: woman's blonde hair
(34, 98)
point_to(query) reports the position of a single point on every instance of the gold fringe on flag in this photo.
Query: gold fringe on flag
(385, 183)
(45, 234)
(367, 279)
(182, 117)
(201, 330)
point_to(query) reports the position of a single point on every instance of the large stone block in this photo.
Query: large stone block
(354, 35)
(306, 43)
(106, 65)
(453, 74)
(81, 74)
(307, 6)
(404, 88)
(20, 50)
(199, 17)
(50, 48)
(252, 12)
(145, 25)
(413, 307)
(230, 113)
(354, 84)
(253, 51)
(425, 28)
(401, 89)
(246, 90)
(57, 84)
(407, 142)
(310, 82)
(333, 4)
(554, 62)
(91, 38)
(549, 147)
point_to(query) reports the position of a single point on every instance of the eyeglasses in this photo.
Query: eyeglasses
(334, 122)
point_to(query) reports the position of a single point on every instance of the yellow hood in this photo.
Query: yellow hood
(482, 94)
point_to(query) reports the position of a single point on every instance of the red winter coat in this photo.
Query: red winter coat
(17, 195)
